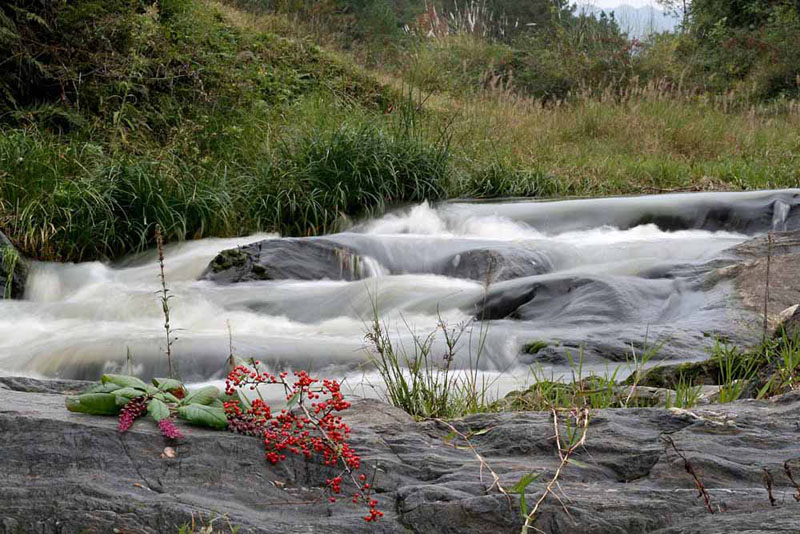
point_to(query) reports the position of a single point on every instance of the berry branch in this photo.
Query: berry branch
(310, 424)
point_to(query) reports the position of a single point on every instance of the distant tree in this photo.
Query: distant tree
(677, 8)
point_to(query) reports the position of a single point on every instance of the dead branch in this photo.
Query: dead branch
(687, 465)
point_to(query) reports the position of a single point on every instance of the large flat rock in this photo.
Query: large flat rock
(73, 473)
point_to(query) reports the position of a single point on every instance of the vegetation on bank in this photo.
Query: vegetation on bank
(223, 118)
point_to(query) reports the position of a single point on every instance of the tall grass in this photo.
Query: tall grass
(215, 121)
(74, 201)
(425, 384)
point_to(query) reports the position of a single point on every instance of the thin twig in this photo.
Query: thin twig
(582, 418)
(701, 489)
(788, 472)
(484, 465)
(164, 297)
(766, 287)
(768, 484)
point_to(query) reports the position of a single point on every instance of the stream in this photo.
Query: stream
(606, 279)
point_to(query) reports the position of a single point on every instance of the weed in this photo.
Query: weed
(686, 394)
(736, 370)
(165, 297)
(423, 385)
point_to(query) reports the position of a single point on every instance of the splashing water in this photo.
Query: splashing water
(600, 276)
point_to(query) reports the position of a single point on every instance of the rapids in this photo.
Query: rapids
(612, 277)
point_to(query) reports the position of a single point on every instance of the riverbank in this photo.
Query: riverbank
(214, 120)
(66, 472)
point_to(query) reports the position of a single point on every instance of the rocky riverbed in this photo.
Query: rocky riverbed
(64, 472)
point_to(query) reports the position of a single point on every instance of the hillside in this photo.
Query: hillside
(227, 118)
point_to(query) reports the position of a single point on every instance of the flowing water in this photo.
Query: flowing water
(606, 277)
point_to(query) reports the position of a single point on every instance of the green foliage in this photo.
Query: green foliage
(581, 52)
(686, 394)
(164, 397)
(593, 390)
(9, 258)
(202, 415)
(426, 386)
(736, 370)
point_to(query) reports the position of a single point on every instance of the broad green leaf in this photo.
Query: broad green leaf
(167, 384)
(128, 393)
(166, 396)
(93, 403)
(205, 395)
(101, 387)
(124, 381)
(216, 403)
(158, 410)
(199, 414)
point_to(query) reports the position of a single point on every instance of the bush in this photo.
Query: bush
(580, 53)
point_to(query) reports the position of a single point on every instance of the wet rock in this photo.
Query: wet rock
(70, 473)
(290, 258)
(32, 385)
(789, 322)
(13, 270)
(496, 265)
(669, 376)
(752, 261)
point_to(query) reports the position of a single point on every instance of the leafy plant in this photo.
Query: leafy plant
(163, 400)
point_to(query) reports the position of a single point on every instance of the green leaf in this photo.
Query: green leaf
(293, 400)
(93, 403)
(216, 403)
(128, 393)
(101, 387)
(519, 488)
(167, 384)
(158, 410)
(205, 395)
(166, 396)
(199, 414)
(124, 381)
(524, 482)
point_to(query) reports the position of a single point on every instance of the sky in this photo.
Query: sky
(614, 3)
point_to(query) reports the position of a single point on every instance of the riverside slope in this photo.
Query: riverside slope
(70, 473)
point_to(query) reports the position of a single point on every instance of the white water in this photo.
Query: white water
(79, 319)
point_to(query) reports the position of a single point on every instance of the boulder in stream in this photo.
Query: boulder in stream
(288, 258)
(491, 265)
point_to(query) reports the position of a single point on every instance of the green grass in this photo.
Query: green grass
(214, 120)
(423, 384)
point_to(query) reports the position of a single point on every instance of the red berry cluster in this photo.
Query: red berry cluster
(309, 425)
(168, 429)
(132, 410)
